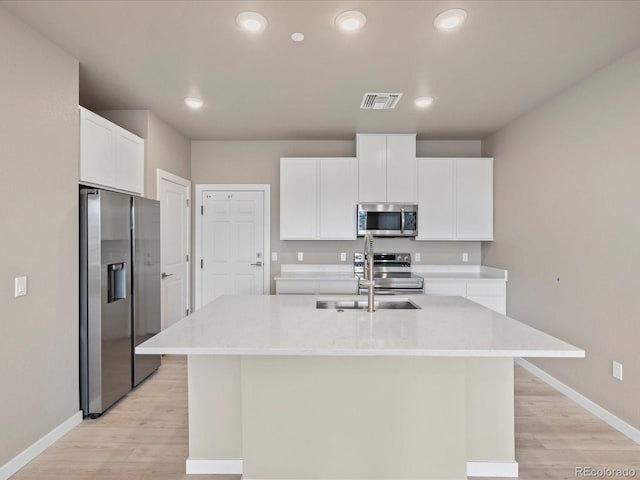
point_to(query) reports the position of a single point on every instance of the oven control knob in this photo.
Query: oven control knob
(406, 258)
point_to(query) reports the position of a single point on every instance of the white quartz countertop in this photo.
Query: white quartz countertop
(291, 325)
(311, 272)
(459, 272)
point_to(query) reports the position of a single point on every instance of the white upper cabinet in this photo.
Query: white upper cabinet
(338, 198)
(402, 182)
(455, 199)
(318, 198)
(436, 202)
(110, 156)
(387, 168)
(298, 198)
(372, 168)
(474, 198)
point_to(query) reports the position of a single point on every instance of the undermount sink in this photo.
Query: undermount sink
(361, 304)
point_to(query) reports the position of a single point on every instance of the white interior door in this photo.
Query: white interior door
(173, 193)
(232, 256)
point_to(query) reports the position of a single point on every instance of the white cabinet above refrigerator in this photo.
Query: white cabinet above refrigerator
(110, 156)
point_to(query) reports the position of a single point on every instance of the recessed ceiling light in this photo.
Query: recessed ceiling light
(297, 37)
(423, 102)
(193, 102)
(450, 19)
(251, 21)
(351, 21)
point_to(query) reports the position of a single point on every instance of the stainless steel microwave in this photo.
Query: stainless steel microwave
(388, 219)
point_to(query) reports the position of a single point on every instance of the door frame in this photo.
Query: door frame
(265, 189)
(164, 175)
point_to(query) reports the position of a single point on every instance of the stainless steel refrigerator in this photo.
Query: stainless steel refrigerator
(119, 294)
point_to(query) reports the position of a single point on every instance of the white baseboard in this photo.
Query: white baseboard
(492, 469)
(234, 467)
(31, 452)
(604, 415)
(228, 467)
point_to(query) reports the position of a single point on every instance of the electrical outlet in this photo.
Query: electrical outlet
(343, 257)
(20, 286)
(300, 256)
(465, 257)
(274, 256)
(617, 370)
(417, 257)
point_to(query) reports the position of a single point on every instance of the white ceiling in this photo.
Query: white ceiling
(508, 57)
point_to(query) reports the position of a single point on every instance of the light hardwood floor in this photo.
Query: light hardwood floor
(145, 436)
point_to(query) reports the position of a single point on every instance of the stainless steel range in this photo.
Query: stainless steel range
(392, 274)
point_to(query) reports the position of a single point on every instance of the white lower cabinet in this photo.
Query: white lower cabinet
(451, 288)
(488, 293)
(317, 287)
(455, 199)
(110, 156)
(318, 198)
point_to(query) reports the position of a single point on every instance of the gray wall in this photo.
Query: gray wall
(567, 227)
(168, 150)
(259, 162)
(39, 149)
(165, 147)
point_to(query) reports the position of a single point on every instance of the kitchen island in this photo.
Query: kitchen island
(279, 389)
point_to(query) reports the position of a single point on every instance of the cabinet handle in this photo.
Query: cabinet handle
(257, 264)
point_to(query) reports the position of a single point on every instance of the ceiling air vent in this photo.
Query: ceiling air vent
(380, 101)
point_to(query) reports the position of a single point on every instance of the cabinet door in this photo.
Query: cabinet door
(446, 288)
(474, 198)
(402, 184)
(436, 212)
(97, 149)
(338, 198)
(129, 161)
(372, 168)
(298, 198)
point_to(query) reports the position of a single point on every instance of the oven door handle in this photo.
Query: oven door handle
(402, 220)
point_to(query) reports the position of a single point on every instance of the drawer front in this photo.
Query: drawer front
(497, 304)
(296, 287)
(487, 287)
(445, 288)
(338, 287)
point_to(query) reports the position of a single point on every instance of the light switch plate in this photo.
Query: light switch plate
(617, 370)
(21, 286)
(343, 257)
(465, 257)
(274, 256)
(300, 256)
(417, 257)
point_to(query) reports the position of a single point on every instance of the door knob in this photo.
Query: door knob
(257, 264)
(165, 275)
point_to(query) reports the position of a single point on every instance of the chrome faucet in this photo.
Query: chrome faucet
(368, 271)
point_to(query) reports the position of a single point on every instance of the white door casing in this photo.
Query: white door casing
(175, 217)
(232, 241)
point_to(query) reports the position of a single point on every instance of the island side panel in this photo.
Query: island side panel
(215, 414)
(354, 418)
(490, 413)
